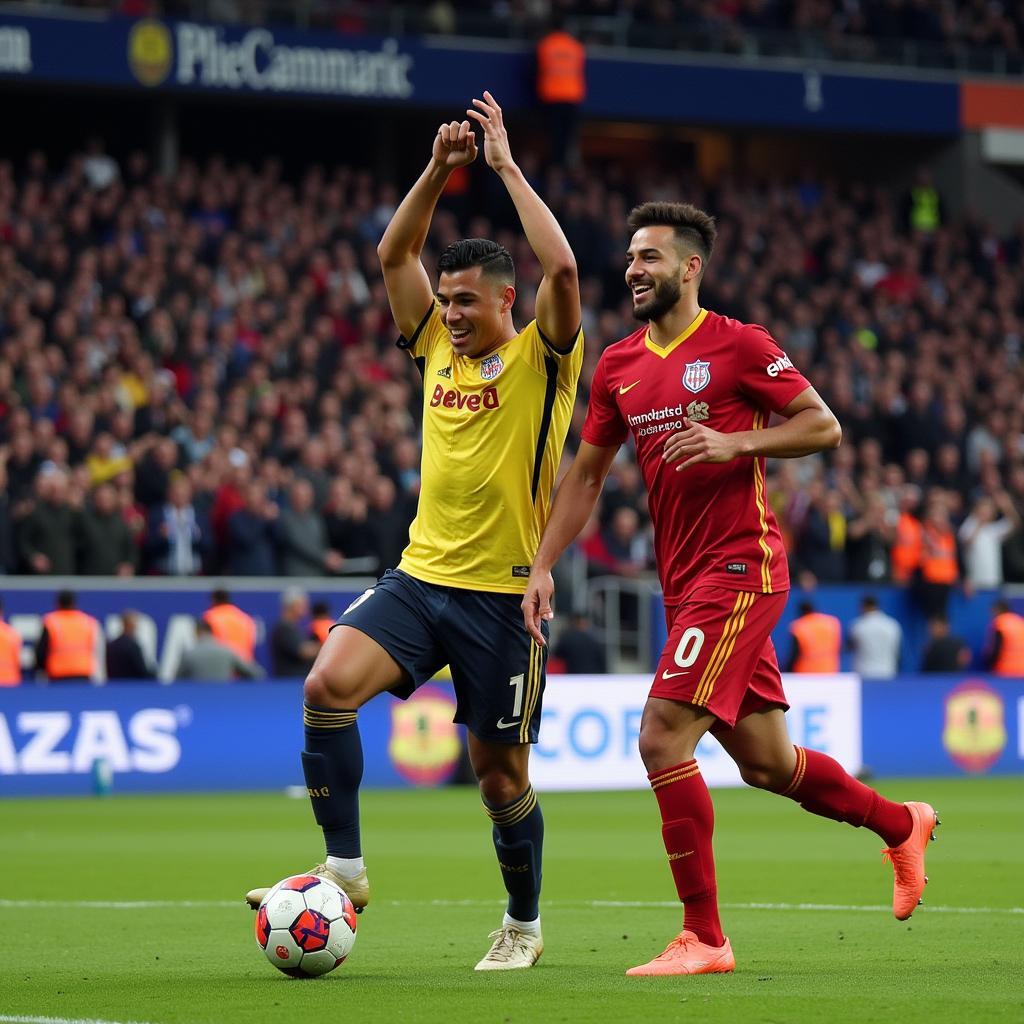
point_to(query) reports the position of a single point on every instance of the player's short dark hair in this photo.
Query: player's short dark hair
(693, 227)
(220, 596)
(495, 260)
(869, 601)
(65, 599)
(320, 610)
(806, 608)
(1000, 605)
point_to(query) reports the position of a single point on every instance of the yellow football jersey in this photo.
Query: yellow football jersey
(493, 431)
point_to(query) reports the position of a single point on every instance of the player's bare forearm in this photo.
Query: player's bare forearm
(809, 427)
(543, 232)
(407, 233)
(577, 496)
(807, 432)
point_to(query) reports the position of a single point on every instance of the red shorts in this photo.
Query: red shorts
(719, 655)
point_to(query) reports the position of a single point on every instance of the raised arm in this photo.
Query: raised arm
(558, 296)
(405, 277)
(573, 506)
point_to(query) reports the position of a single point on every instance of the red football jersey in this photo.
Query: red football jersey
(712, 522)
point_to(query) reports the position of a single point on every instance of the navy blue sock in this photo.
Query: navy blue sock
(518, 841)
(333, 765)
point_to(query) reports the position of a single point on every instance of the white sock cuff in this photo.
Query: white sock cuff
(347, 867)
(526, 927)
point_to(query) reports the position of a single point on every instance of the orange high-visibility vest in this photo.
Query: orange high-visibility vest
(233, 628)
(72, 650)
(938, 555)
(818, 637)
(906, 549)
(560, 64)
(320, 628)
(1011, 654)
(10, 655)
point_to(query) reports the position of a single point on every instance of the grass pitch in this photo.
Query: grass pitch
(169, 940)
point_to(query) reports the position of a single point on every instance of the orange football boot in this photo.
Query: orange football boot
(686, 954)
(907, 860)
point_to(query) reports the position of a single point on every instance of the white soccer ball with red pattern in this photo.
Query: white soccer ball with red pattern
(306, 926)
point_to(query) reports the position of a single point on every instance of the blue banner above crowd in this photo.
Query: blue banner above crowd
(150, 54)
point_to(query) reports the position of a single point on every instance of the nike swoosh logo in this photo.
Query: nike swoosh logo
(671, 675)
(502, 724)
(623, 388)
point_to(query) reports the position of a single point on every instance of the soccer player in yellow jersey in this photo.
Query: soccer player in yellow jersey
(496, 407)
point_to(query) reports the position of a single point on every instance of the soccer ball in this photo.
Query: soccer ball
(306, 926)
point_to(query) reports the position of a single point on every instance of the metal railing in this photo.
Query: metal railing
(621, 610)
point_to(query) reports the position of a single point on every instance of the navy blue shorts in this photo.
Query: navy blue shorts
(497, 668)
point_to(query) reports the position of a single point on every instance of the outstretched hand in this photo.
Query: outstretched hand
(454, 145)
(497, 151)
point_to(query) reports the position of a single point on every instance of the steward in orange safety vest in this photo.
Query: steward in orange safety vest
(1006, 648)
(817, 641)
(10, 653)
(67, 645)
(231, 626)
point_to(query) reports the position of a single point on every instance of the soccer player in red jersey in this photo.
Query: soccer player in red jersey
(697, 391)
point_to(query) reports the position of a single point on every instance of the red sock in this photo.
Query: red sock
(822, 786)
(688, 821)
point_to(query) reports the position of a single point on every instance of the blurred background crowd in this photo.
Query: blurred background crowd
(198, 373)
(969, 34)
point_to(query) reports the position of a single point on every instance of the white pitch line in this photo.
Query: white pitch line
(638, 904)
(7, 1019)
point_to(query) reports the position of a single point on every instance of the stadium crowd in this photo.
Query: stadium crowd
(980, 35)
(198, 375)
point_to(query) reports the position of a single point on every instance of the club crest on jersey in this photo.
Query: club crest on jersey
(698, 412)
(696, 376)
(445, 371)
(491, 367)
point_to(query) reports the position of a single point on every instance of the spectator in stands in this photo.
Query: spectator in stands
(939, 568)
(579, 649)
(822, 547)
(869, 540)
(388, 522)
(105, 543)
(303, 537)
(943, 651)
(347, 523)
(253, 534)
(875, 640)
(125, 659)
(1004, 653)
(291, 650)
(66, 650)
(981, 537)
(177, 536)
(46, 537)
(321, 622)
(211, 661)
(230, 625)
(10, 652)
(817, 640)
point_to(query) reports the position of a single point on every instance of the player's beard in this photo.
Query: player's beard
(663, 297)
